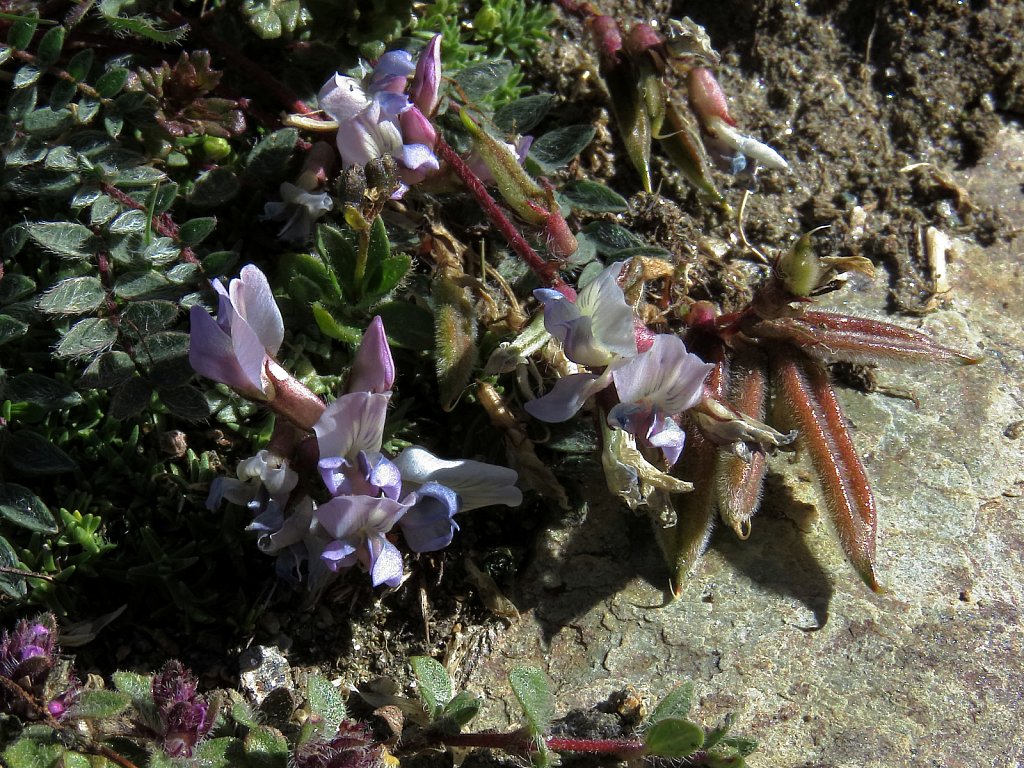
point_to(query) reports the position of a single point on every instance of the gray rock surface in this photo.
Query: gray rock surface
(778, 629)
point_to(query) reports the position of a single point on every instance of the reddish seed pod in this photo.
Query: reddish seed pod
(706, 95)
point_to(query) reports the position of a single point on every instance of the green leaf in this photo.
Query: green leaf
(433, 684)
(15, 286)
(556, 148)
(241, 711)
(111, 82)
(43, 391)
(11, 584)
(47, 123)
(408, 325)
(673, 737)
(194, 231)
(337, 248)
(460, 710)
(389, 274)
(215, 753)
(11, 329)
(23, 508)
(61, 94)
(139, 25)
(73, 296)
(138, 285)
(744, 747)
(163, 197)
(269, 158)
(107, 370)
(214, 188)
(531, 689)
(326, 702)
(50, 46)
(609, 237)
(131, 398)
(185, 402)
(266, 748)
(100, 704)
(266, 24)
(523, 114)
(20, 34)
(139, 176)
(145, 317)
(88, 336)
(478, 81)
(63, 238)
(138, 687)
(676, 704)
(593, 197)
(332, 328)
(103, 209)
(80, 64)
(129, 222)
(33, 454)
(26, 75)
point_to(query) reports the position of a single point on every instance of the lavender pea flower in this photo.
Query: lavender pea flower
(358, 528)
(654, 386)
(236, 347)
(381, 120)
(598, 329)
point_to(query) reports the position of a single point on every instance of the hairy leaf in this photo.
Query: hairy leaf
(23, 508)
(531, 689)
(434, 686)
(73, 296)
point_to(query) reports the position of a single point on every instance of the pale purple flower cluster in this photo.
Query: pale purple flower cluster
(383, 114)
(599, 331)
(372, 496)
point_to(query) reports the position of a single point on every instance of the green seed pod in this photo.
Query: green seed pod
(216, 148)
(800, 269)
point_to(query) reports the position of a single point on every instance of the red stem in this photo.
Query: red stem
(545, 270)
(163, 224)
(517, 742)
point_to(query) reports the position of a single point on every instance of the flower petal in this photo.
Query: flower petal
(352, 423)
(373, 369)
(254, 301)
(342, 98)
(428, 525)
(566, 397)
(425, 90)
(666, 377)
(478, 484)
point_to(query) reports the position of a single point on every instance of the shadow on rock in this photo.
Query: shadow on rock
(776, 555)
(581, 563)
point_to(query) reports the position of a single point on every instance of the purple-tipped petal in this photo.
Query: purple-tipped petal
(429, 526)
(352, 423)
(566, 397)
(417, 129)
(385, 563)
(235, 361)
(612, 318)
(666, 435)
(373, 369)
(425, 91)
(392, 71)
